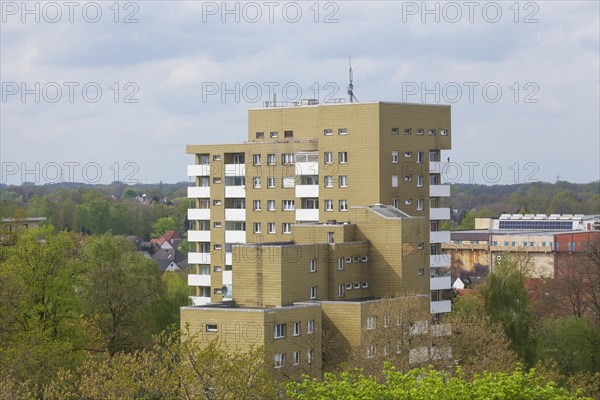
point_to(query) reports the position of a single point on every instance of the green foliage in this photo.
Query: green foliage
(427, 384)
(120, 291)
(176, 295)
(572, 342)
(506, 302)
(162, 225)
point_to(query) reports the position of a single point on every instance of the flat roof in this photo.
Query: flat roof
(230, 306)
(347, 104)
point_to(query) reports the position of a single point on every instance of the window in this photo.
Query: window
(271, 205)
(349, 286)
(331, 237)
(348, 260)
(212, 328)
(408, 154)
(279, 360)
(257, 227)
(287, 182)
(431, 132)
(279, 331)
(271, 227)
(420, 204)
(341, 263)
(421, 271)
(310, 326)
(371, 351)
(216, 202)
(203, 181)
(342, 157)
(218, 291)
(313, 292)
(395, 131)
(287, 205)
(396, 203)
(408, 131)
(288, 134)
(296, 329)
(313, 265)
(274, 134)
(327, 132)
(443, 132)
(328, 157)
(287, 158)
(407, 178)
(216, 180)
(328, 181)
(342, 131)
(341, 290)
(260, 135)
(270, 182)
(217, 268)
(238, 158)
(365, 285)
(420, 131)
(256, 159)
(217, 157)
(256, 205)
(343, 205)
(205, 269)
(270, 159)
(356, 259)
(356, 285)
(395, 181)
(386, 321)
(256, 182)
(419, 157)
(419, 180)
(364, 259)
(328, 205)
(228, 267)
(309, 356)
(394, 157)
(343, 181)
(217, 247)
(296, 358)
(371, 322)
(217, 224)
(286, 228)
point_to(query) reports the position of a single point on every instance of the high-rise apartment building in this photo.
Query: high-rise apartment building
(324, 208)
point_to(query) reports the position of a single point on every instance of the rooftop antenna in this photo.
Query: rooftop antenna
(350, 85)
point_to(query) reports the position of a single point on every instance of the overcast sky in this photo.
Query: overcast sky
(100, 91)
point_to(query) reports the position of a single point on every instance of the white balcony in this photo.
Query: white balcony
(228, 258)
(198, 258)
(199, 300)
(235, 169)
(198, 280)
(198, 170)
(235, 214)
(235, 236)
(235, 191)
(440, 283)
(437, 167)
(196, 214)
(439, 213)
(439, 261)
(307, 168)
(444, 306)
(307, 190)
(439, 237)
(439, 190)
(198, 236)
(227, 278)
(195, 192)
(307, 215)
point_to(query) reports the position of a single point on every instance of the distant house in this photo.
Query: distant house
(170, 260)
(169, 240)
(135, 240)
(15, 224)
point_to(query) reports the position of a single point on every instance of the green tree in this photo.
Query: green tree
(176, 295)
(162, 225)
(572, 342)
(425, 384)
(121, 289)
(506, 302)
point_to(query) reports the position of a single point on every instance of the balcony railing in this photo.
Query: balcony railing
(439, 237)
(307, 190)
(439, 190)
(198, 236)
(195, 214)
(439, 213)
(198, 170)
(307, 215)
(444, 306)
(195, 192)
(440, 283)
